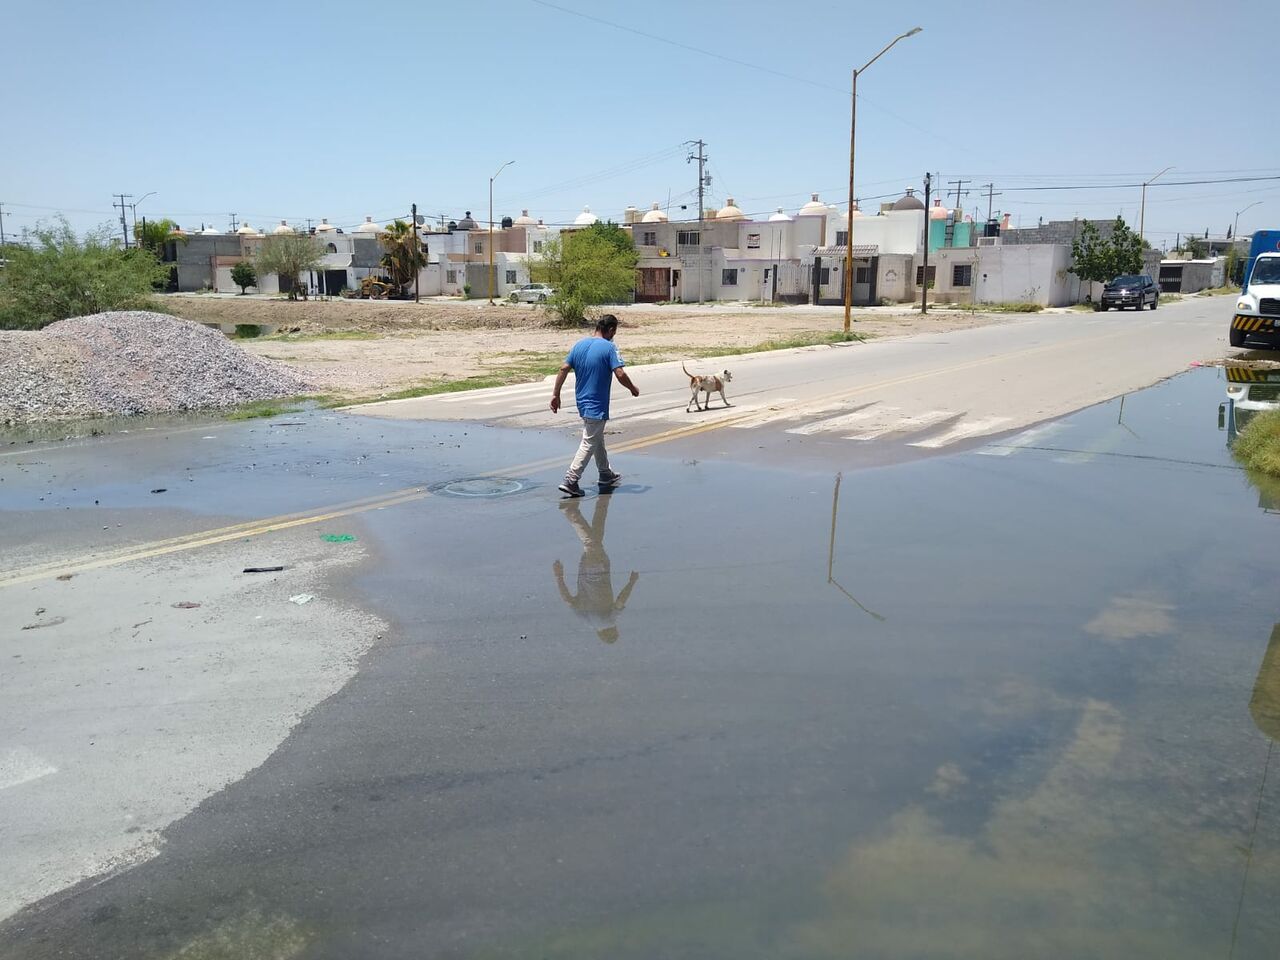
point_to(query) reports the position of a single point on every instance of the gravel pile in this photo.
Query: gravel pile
(129, 362)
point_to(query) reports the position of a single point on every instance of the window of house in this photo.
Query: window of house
(920, 275)
(537, 246)
(688, 238)
(332, 248)
(729, 278)
(650, 238)
(842, 237)
(511, 276)
(479, 246)
(753, 241)
(451, 276)
(962, 275)
(824, 275)
(862, 275)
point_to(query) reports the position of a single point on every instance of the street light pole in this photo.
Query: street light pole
(853, 134)
(491, 179)
(134, 207)
(1142, 215)
(1236, 229)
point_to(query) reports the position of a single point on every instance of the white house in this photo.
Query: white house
(785, 258)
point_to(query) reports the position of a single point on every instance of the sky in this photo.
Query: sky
(281, 110)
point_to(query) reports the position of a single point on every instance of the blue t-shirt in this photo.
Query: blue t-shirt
(593, 360)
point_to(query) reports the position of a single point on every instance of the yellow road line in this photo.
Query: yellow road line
(255, 528)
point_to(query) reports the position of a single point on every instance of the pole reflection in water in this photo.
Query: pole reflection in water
(595, 601)
(831, 552)
(1264, 707)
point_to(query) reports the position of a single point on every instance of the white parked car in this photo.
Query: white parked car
(531, 293)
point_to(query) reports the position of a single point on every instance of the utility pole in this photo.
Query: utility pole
(417, 244)
(491, 270)
(3, 214)
(1142, 210)
(959, 190)
(924, 270)
(701, 157)
(848, 233)
(990, 194)
(234, 223)
(124, 225)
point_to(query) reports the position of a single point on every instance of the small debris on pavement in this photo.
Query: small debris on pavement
(160, 490)
(185, 605)
(337, 538)
(39, 610)
(143, 623)
(262, 569)
(51, 622)
(301, 598)
(65, 576)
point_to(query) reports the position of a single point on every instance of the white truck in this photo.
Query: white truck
(1257, 313)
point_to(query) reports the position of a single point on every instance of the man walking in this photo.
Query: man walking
(593, 360)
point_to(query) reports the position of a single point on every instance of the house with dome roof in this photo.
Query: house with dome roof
(784, 257)
(459, 255)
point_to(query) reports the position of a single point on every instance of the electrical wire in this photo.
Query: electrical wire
(689, 47)
(607, 173)
(1161, 184)
(752, 66)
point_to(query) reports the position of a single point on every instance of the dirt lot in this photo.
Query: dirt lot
(364, 348)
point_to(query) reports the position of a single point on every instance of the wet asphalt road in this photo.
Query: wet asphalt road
(967, 708)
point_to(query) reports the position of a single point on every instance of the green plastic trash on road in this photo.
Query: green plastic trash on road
(337, 538)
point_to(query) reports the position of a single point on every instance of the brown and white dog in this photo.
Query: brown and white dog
(709, 384)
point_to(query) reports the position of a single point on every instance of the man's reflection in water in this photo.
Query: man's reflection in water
(595, 601)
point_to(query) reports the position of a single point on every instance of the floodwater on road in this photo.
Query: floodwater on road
(1019, 701)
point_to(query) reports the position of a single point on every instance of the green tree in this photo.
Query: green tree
(1099, 259)
(403, 256)
(244, 276)
(289, 256)
(586, 268)
(154, 234)
(53, 274)
(1232, 269)
(1194, 246)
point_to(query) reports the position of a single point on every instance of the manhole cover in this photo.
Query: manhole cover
(482, 487)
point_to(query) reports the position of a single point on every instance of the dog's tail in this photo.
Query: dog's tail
(686, 371)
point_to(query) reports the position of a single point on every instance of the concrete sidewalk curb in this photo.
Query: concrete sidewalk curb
(659, 367)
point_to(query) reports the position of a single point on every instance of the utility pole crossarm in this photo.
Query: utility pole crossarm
(991, 194)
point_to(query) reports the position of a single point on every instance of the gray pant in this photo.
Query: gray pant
(592, 446)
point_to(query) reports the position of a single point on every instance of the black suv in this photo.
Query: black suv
(1132, 290)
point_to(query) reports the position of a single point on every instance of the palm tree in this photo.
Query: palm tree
(154, 234)
(404, 255)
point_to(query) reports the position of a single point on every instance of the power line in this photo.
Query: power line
(1131, 186)
(749, 65)
(629, 166)
(690, 48)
